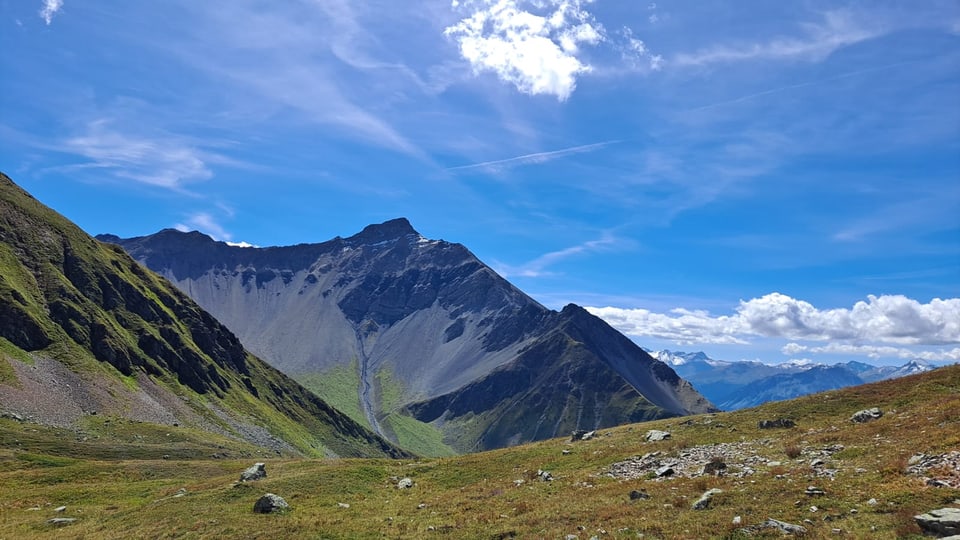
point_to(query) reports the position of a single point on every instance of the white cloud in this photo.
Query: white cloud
(876, 351)
(50, 8)
(242, 244)
(533, 47)
(162, 160)
(530, 159)
(837, 29)
(893, 319)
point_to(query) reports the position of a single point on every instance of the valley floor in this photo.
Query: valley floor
(867, 480)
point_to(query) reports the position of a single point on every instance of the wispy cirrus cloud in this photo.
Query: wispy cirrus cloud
(539, 267)
(205, 223)
(158, 159)
(50, 9)
(839, 28)
(499, 165)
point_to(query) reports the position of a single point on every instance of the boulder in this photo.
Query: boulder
(704, 501)
(783, 526)
(866, 415)
(942, 522)
(780, 423)
(269, 504)
(405, 483)
(656, 435)
(255, 472)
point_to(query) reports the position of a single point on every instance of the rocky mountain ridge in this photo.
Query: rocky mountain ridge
(437, 348)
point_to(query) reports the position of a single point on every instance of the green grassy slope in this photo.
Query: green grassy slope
(479, 496)
(65, 296)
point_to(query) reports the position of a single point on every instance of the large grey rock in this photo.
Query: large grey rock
(255, 472)
(704, 501)
(405, 483)
(269, 504)
(656, 435)
(866, 415)
(941, 522)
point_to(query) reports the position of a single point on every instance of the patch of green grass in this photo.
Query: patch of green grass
(411, 434)
(340, 387)
(44, 460)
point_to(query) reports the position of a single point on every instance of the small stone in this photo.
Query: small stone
(566, 451)
(736, 520)
(60, 521)
(704, 501)
(872, 502)
(638, 495)
(342, 505)
(405, 483)
(916, 458)
(773, 464)
(664, 471)
(60, 509)
(269, 504)
(814, 491)
(255, 472)
(182, 492)
(545, 475)
(813, 508)
(421, 506)
(836, 531)
(817, 463)
(783, 526)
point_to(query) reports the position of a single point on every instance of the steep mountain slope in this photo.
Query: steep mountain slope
(421, 332)
(738, 385)
(85, 330)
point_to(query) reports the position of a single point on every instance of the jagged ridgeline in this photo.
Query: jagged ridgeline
(85, 330)
(418, 339)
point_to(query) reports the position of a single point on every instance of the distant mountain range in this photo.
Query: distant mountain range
(738, 385)
(86, 332)
(418, 339)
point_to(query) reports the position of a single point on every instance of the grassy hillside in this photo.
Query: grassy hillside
(68, 300)
(498, 494)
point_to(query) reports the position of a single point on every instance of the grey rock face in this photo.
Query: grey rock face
(941, 522)
(704, 501)
(269, 504)
(255, 472)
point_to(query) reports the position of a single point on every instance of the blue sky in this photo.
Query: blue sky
(758, 180)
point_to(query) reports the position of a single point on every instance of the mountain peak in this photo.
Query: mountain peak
(388, 230)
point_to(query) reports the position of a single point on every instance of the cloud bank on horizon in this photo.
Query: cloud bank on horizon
(636, 155)
(866, 329)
